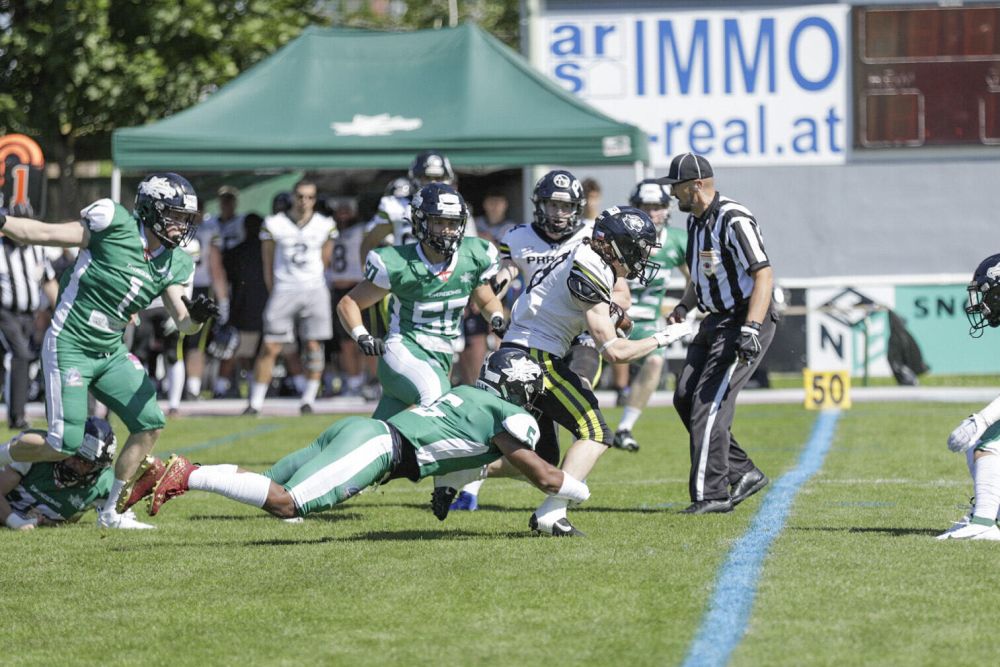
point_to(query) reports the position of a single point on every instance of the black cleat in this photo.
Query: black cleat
(720, 505)
(747, 485)
(441, 499)
(561, 528)
(305, 409)
(624, 440)
(251, 412)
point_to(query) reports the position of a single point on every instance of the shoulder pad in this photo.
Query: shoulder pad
(98, 216)
(523, 427)
(586, 286)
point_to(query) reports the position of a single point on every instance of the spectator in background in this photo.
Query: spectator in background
(238, 340)
(24, 269)
(343, 274)
(591, 200)
(494, 222)
(296, 247)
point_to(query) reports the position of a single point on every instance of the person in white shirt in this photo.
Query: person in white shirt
(296, 248)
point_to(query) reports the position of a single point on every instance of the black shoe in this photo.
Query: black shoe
(747, 485)
(441, 500)
(19, 424)
(720, 505)
(561, 528)
(625, 440)
(251, 412)
(305, 409)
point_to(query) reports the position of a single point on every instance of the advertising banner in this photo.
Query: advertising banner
(739, 86)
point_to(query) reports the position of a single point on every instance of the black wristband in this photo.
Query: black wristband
(752, 325)
(3, 220)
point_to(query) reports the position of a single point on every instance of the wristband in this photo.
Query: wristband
(3, 220)
(496, 314)
(572, 489)
(753, 325)
(662, 338)
(15, 521)
(359, 331)
(608, 344)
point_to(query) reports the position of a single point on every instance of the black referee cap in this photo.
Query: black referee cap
(686, 167)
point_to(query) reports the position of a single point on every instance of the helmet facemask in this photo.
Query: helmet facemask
(984, 307)
(167, 205)
(439, 215)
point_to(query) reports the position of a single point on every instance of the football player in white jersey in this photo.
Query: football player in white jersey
(572, 295)
(296, 248)
(556, 229)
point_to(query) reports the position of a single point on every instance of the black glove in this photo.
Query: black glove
(749, 346)
(371, 346)
(202, 309)
(497, 286)
(499, 325)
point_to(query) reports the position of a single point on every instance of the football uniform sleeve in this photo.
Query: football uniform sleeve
(98, 216)
(265, 231)
(490, 262)
(523, 428)
(745, 239)
(590, 280)
(505, 243)
(376, 271)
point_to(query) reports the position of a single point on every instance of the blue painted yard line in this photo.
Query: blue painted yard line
(726, 620)
(215, 442)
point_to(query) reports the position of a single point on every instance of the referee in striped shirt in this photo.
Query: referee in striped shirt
(731, 280)
(23, 269)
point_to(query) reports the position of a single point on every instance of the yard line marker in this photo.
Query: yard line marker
(215, 442)
(725, 622)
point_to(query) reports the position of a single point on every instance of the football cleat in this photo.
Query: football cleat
(466, 502)
(141, 484)
(121, 521)
(625, 440)
(956, 526)
(560, 528)
(172, 483)
(441, 499)
(976, 529)
(306, 409)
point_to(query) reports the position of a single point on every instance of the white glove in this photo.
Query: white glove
(15, 521)
(967, 434)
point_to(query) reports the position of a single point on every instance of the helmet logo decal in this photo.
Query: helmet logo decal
(522, 369)
(158, 187)
(560, 181)
(449, 204)
(633, 222)
(993, 273)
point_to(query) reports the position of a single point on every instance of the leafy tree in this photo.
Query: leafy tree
(499, 17)
(73, 70)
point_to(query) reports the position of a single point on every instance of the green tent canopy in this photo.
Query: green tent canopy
(336, 98)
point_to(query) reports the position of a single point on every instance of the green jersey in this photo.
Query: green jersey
(113, 278)
(647, 299)
(426, 301)
(38, 493)
(456, 432)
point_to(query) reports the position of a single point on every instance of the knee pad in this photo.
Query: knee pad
(315, 361)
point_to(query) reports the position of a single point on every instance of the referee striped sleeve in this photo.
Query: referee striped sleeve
(746, 241)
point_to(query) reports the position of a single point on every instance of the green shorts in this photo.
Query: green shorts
(116, 379)
(411, 375)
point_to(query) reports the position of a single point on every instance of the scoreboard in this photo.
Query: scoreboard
(926, 76)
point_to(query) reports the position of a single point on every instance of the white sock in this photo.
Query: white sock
(970, 461)
(629, 417)
(309, 393)
(299, 382)
(116, 489)
(473, 487)
(175, 375)
(249, 488)
(194, 386)
(258, 390)
(551, 511)
(988, 487)
(5, 458)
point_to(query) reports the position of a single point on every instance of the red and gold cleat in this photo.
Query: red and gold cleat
(173, 482)
(141, 484)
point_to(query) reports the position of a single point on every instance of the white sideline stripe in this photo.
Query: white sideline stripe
(713, 412)
(725, 622)
(336, 473)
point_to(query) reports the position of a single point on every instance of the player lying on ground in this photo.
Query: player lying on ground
(466, 429)
(978, 436)
(51, 493)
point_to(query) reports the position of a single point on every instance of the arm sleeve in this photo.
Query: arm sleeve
(491, 262)
(745, 239)
(376, 271)
(98, 216)
(523, 428)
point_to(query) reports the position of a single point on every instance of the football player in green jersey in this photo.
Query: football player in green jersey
(48, 494)
(647, 303)
(466, 429)
(430, 283)
(127, 259)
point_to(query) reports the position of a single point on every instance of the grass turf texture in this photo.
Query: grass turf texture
(855, 578)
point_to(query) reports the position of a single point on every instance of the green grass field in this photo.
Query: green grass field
(855, 577)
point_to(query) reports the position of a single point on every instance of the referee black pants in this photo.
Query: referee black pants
(705, 399)
(15, 335)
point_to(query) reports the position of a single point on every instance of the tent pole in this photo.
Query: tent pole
(116, 184)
